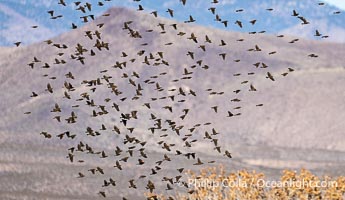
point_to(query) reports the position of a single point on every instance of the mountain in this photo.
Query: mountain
(299, 125)
(19, 16)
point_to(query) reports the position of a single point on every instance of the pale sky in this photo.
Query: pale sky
(338, 3)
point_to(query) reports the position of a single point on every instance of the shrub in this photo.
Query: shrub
(216, 184)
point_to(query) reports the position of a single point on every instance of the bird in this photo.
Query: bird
(218, 19)
(88, 6)
(269, 76)
(294, 13)
(252, 21)
(80, 175)
(304, 21)
(100, 170)
(198, 162)
(252, 88)
(257, 64)
(17, 44)
(222, 43)
(150, 186)
(62, 2)
(193, 37)
(131, 184)
(191, 19)
(154, 13)
(51, 12)
(140, 8)
(317, 33)
(202, 47)
(102, 193)
(70, 157)
(225, 22)
(239, 23)
(118, 165)
(207, 39)
(191, 54)
(34, 94)
(228, 154)
(223, 55)
(313, 55)
(212, 9)
(171, 12)
(294, 40)
(49, 88)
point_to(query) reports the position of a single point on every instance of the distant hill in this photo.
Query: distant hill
(302, 106)
(18, 16)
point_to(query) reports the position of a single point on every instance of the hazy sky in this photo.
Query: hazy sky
(338, 3)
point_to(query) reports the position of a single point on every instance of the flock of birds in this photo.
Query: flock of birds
(132, 149)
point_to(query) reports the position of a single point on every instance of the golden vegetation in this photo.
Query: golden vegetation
(217, 184)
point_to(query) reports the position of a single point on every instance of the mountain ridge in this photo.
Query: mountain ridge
(276, 22)
(323, 62)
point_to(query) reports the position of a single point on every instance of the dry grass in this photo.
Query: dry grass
(217, 184)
